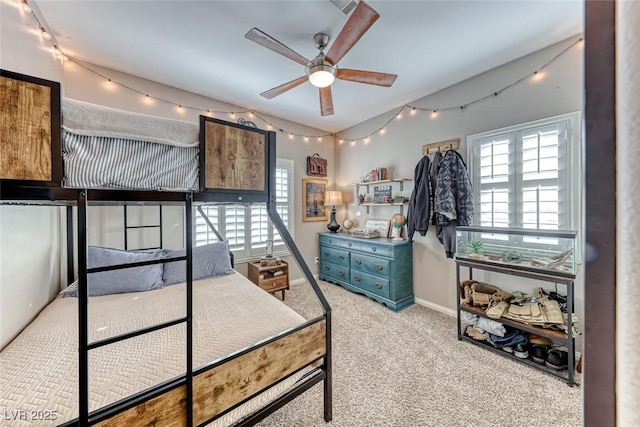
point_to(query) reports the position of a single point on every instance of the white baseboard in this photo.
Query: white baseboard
(301, 280)
(436, 307)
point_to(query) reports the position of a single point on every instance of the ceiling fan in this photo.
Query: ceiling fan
(323, 69)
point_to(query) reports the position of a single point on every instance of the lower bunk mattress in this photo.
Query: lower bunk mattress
(39, 369)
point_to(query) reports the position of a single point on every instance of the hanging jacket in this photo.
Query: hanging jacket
(452, 200)
(453, 195)
(433, 179)
(419, 204)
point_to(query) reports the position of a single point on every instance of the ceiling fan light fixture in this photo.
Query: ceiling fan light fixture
(322, 75)
(320, 72)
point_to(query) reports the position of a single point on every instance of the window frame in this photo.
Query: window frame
(570, 171)
(246, 251)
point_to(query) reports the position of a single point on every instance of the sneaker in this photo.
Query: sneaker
(520, 351)
(508, 349)
(539, 353)
(537, 339)
(557, 359)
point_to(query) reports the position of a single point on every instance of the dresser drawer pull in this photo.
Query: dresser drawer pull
(358, 261)
(326, 267)
(325, 253)
(341, 257)
(378, 266)
(374, 249)
(330, 241)
(349, 244)
(378, 286)
(341, 273)
(357, 278)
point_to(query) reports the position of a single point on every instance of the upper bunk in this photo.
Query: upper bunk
(54, 149)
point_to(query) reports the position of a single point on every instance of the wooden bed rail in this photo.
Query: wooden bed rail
(224, 386)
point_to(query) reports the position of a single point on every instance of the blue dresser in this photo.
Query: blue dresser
(381, 269)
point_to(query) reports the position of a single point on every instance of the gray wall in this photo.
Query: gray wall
(558, 91)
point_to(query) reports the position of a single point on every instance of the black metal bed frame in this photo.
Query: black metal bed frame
(52, 195)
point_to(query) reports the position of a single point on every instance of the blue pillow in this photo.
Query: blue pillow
(134, 279)
(211, 260)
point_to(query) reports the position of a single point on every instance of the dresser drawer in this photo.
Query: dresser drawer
(339, 272)
(372, 248)
(369, 264)
(336, 241)
(374, 284)
(333, 255)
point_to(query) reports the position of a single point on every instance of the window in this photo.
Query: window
(528, 176)
(247, 227)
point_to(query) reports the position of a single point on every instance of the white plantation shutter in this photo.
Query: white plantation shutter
(248, 227)
(527, 176)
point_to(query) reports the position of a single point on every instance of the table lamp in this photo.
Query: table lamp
(333, 198)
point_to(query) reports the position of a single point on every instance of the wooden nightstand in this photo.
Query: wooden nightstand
(268, 278)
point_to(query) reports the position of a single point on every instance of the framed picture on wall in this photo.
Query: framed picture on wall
(313, 199)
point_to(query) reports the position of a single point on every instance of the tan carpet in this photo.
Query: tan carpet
(409, 369)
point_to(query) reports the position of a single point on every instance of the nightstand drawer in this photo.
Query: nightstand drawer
(369, 264)
(372, 248)
(333, 255)
(274, 284)
(339, 272)
(367, 282)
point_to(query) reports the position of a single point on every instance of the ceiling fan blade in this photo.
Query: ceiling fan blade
(358, 23)
(368, 77)
(278, 90)
(269, 42)
(326, 101)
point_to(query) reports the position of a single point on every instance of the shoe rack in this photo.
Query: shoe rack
(558, 337)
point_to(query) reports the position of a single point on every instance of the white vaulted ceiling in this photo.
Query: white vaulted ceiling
(199, 46)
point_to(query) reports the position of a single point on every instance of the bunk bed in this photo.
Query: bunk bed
(195, 352)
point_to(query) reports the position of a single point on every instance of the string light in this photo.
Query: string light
(536, 75)
(44, 34)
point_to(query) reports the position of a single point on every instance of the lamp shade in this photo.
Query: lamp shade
(332, 198)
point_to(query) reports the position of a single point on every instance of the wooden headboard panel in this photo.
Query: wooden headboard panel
(30, 129)
(233, 157)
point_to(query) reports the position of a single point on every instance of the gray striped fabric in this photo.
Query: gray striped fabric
(99, 162)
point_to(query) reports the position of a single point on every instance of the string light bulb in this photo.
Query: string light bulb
(319, 138)
(434, 114)
(413, 111)
(382, 131)
(341, 140)
(306, 138)
(366, 139)
(399, 116)
(25, 6)
(251, 114)
(44, 34)
(290, 135)
(233, 115)
(269, 126)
